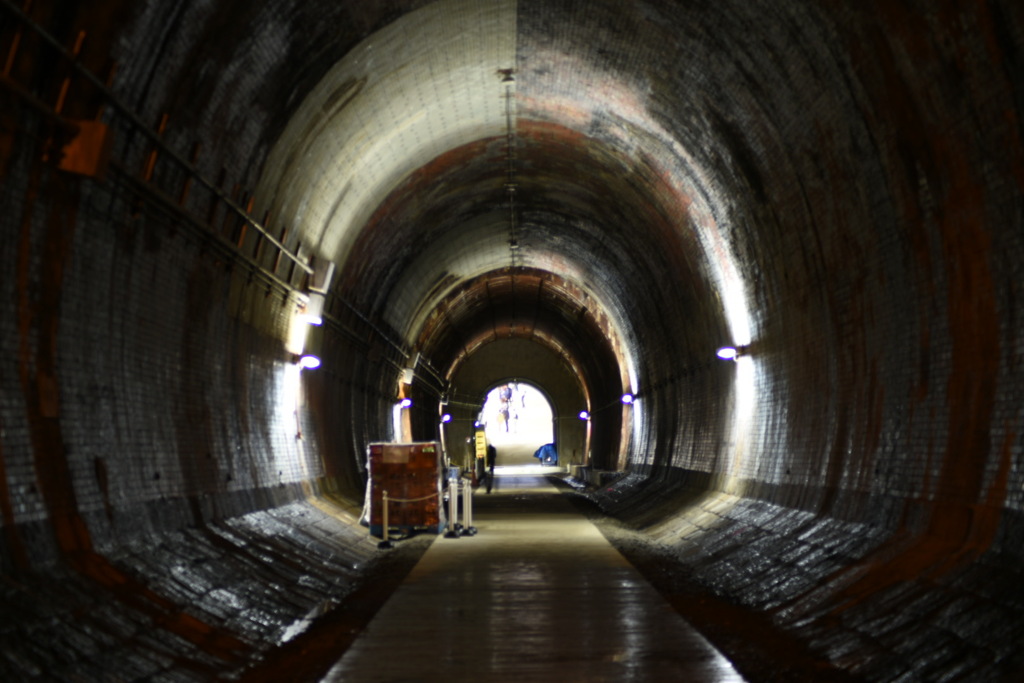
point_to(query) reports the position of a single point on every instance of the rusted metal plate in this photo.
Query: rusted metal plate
(411, 476)
(89, 151)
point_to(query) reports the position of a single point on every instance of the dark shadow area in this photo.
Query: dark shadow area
(309, 655)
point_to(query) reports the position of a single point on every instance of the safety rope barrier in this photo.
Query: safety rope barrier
(386, 543)
(409, 500)
(453, 530)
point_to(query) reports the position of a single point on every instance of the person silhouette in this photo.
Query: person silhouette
(492, 456)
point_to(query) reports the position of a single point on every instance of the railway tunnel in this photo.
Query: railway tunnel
(590, 197)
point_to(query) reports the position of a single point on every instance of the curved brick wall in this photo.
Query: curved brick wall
(835, 186)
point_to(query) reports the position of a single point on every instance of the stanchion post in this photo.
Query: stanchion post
(385, 543)
(453, 509)
(467, 510)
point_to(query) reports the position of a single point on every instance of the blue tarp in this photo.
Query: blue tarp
(547, 454)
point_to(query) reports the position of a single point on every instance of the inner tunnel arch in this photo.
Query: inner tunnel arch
(500, 360)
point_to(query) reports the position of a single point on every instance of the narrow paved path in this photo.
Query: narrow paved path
(537, 595)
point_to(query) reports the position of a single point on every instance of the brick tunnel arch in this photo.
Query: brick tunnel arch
(530, 362)
(545, 327)
(835, 189)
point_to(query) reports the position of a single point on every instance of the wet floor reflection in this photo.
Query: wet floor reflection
(537, 595)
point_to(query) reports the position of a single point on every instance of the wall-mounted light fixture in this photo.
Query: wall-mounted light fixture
(628, 398)
(584, 415)
(319, 283)
(730, 352)
(312, 312)
(446, 418)
(405, 403)
(309, 362)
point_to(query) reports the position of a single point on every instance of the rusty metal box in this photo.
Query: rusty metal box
(411, 474)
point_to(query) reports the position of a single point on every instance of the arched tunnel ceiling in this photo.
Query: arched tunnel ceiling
(523, 304)
(405, 95)
(842, 182)
(398, 167)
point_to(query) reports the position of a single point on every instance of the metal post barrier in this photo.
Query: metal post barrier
(385, 543)
(467, 509)
(453, 509)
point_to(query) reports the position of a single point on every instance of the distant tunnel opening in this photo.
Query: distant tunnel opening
(518, 419)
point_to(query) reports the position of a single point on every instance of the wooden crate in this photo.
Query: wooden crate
(408, 472)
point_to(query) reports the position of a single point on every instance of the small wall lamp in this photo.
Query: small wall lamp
(405, 403)
(731, 352)
(584, 415)
(446, 418)
(628, 398)
(309, 362)
(312, 312)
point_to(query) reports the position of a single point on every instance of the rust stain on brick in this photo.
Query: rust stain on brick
(958, 528)
(164, 613)
(38, 312)
(38, 366)
(957, 535)
(551, 133)
(983, 522)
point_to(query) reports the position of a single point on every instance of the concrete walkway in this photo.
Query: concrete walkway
(537, 595)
